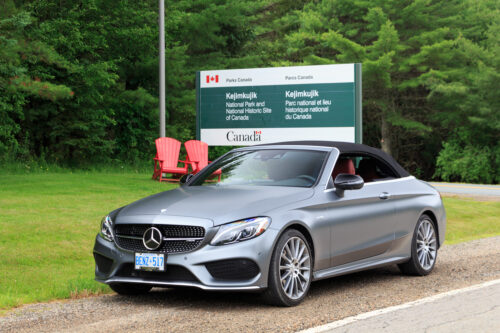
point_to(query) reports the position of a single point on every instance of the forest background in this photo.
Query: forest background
(79, 79)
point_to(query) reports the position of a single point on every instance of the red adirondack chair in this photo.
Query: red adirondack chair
(167, 160)
(197, 156)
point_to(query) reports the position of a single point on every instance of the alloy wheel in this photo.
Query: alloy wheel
(426, 244)
(295, 268)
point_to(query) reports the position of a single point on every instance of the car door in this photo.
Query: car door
(361, 223)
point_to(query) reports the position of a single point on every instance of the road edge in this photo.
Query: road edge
(349, 320)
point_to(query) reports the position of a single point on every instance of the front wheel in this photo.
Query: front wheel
(130, 288)
(423, 248)
(290, 271)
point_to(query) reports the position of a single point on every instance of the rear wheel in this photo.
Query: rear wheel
(130, 288)
(290, 271)
(423, 248)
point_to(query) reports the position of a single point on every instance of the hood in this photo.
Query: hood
(221, 204)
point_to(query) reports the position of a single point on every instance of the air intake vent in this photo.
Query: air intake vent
(103, 264)
(173, 273)
(233, 269)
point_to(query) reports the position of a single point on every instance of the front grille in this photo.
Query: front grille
(129, 237)
(233, 269)
(170, 231)
(103, 263)
(171, 273)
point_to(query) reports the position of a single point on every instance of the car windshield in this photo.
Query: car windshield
(266, 167)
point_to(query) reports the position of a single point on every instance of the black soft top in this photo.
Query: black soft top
(351, 148)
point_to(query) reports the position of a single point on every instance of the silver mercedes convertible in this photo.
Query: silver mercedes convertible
(281, 216)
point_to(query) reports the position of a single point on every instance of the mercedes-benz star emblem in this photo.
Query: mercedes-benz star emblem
(152, 238)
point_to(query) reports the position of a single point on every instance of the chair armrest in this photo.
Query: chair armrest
(190, 163)
(185, 162)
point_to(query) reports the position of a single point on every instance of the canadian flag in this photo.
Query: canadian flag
(213, 78)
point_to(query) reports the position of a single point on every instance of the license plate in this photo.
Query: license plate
(150, 261)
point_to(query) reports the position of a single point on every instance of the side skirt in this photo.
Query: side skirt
(357, 266)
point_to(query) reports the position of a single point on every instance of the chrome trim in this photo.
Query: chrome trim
(192, 239)
(157, 251)
(391, 180)
(155, 238)
(129, 237)
(174, 284)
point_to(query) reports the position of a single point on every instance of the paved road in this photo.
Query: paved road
(174, 310)
(472, 309)
(467, 189)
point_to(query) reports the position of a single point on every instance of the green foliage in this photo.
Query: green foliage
(16, 86)
(136, 116)
(428, 67)
(462, 160)
(78, 80)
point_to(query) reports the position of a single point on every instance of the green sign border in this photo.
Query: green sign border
(358, 104)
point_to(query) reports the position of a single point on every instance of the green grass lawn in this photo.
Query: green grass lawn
(48, 222)
(468, 219)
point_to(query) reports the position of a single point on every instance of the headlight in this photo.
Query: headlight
(107, 228)
(241, 230)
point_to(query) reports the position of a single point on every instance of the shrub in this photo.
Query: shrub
(468, 163)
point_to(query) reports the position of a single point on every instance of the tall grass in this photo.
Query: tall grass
(40, 166)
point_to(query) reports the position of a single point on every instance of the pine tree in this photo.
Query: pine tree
(412, 52)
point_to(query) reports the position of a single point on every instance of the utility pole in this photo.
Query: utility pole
(161, 20)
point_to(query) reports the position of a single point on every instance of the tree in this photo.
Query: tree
(406, 49)
(472, 152)
(78, 80)
(17, 84)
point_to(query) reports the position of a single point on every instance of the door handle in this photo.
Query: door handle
(384, 196)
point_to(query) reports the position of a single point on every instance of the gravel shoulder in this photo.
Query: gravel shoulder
(471, 197)
(468, 189)
(186, 310)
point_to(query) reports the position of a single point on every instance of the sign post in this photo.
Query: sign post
(266, 105)
(161, 56)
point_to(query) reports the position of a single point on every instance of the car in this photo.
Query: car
(282, 216)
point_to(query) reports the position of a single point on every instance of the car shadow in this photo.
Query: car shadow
(193, 298)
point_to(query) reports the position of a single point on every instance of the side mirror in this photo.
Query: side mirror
(346, 181)
(184, 179)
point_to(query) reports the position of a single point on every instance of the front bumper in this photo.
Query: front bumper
(115, 265)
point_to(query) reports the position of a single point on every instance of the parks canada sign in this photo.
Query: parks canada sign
(242, 107)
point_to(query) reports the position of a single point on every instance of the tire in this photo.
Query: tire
(130, 289)
(299, 270)
(424, 246)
